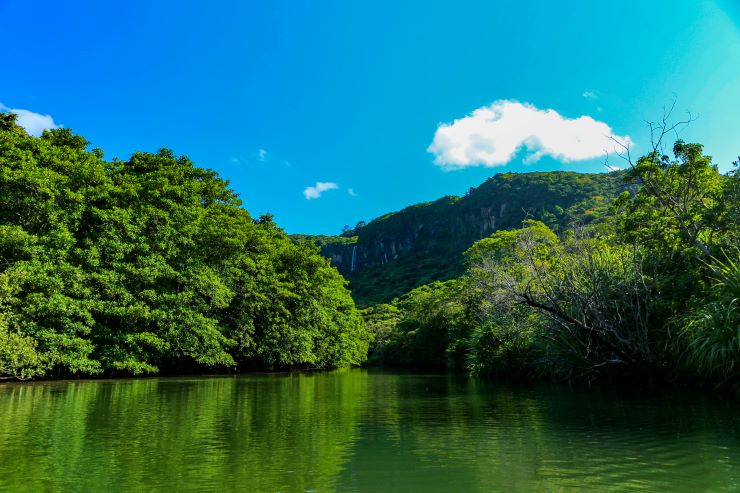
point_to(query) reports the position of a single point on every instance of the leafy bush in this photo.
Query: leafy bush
(710, 329)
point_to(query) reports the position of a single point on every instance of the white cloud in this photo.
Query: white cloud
(493, 135)
(315, 191)
(262, 154)
(590, 95)
(34, 123)
(351, 192)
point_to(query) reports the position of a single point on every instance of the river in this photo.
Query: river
(361, 430)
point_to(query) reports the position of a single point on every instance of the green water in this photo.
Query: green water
(360, 431)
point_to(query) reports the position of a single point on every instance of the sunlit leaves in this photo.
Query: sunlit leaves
(150, 264)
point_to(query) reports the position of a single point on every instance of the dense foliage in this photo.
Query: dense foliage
(150, 265)
(650, 292)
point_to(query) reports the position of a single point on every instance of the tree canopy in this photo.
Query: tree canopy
(151, 264)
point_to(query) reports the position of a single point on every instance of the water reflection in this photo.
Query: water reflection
(360, 431)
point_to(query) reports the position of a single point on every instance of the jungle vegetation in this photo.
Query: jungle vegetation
(649, 292)
(151, 265)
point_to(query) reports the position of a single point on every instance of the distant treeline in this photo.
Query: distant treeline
(649, 291)
(149, 265)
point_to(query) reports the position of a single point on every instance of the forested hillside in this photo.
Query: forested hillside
(633, 274)
(650, 293)
(423, 243)
(151, 264)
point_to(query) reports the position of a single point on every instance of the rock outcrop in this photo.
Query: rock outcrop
(424, 242)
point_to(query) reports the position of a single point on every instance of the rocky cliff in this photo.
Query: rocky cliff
(422, 243)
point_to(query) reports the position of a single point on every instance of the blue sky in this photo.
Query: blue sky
(327, 113)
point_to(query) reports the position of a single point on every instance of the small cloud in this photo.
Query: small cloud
(315, 191)
(493, 136)
(590, 95)
(262, 155)
(234, 159)
(351, 192)
(34, 123)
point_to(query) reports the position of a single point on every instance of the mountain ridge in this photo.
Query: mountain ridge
(422, 243)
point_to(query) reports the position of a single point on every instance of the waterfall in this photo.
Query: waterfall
(352, 265)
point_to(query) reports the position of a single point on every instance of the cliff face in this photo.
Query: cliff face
(340, 255)
(422, 243)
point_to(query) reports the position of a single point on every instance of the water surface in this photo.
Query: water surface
(361, 430)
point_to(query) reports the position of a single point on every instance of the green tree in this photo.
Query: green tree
(151, 264)
(678, 203)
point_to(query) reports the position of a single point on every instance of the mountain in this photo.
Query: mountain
(422, 243)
